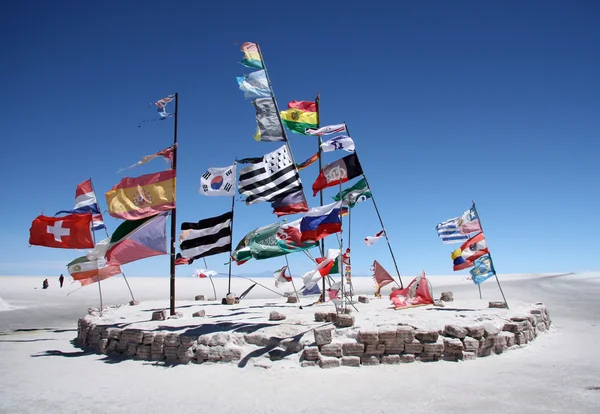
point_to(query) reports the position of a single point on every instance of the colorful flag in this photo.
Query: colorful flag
(337, 172)
(138, 239)
(315, 290)
(344, 211)
(449, 231)
(67, 232)
(85, 201)
(300, 116)
(99, 250)
(321, 221)
(313, 158)
(275, 175)
(141, 197)
(322, 269)
(255, 85)
(180, 260)
(218, 181)
(469, 222)
(329, 129)
(370, 240)
(470, 250)
(281, 277)
(416, 293)
(381, 276)
(252, 57)
(161, 105)
(333, 292)
(292, 203)
(267, 121)
(88, 271)
(342, 142)
(207, 237)
(483, 269)
(351, 196)
(204, 273)
(166, 153)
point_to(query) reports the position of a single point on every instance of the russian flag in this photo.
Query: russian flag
(321, 221)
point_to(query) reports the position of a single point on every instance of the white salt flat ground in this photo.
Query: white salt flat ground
(41, 371)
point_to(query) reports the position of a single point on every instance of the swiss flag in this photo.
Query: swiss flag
(67, 232)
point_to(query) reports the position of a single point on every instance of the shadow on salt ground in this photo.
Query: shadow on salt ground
(27, 340)
(233, 314)
(275, 353)
(453, 309)
(197, 330)
(30, 330)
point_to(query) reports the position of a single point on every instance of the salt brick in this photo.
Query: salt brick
(433, 349)
(387, 334)
(369, 360)
(351, 361)
(310, 353)
(323, 335)
(353, 349)
(329, 362)
(368, 337)
(415, 347)
(427, 336)
(332, 350)
(405, 333)
(475, 331)
(468, 356)
(390, 359)
(455, 331)
(470, 344)
(407, 358)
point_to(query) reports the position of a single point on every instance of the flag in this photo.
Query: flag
(342, 142)
(99, 250)
(337, 172)
(300, 116)
(483, 269)
(312, 291)
(138, 239)
(270, 178)
(255, 85)
(204, 273)
(267, 121)
(218, 181)
(142, 197)
(329, 129)
(88, 271)
(344, 211)
(370, 240)
(321, 221)
(252, 57)
(85, 201)
(180, 260)
(470, 250)
(416, 293)
(313, 158)
(281, 277)
(469, 222)
(161, 105)
(166, 153)
(207, 237)
(312, 277)
(67, 232)
(351, 196)
(292, 203)
(449, 231)
(381, 276)
(333, 292)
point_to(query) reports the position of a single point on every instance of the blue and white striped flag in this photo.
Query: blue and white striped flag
(450, 232)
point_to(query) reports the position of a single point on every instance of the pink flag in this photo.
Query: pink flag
(380, 275)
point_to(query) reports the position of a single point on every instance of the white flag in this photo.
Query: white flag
(218, 181)
(370, 240)
(329, 129)
(342, 142)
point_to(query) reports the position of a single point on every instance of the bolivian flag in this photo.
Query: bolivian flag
(141, 197)
(300, 116)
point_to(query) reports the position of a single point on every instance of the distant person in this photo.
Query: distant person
(45, 284)
(61, 279)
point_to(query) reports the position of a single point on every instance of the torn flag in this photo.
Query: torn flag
(323, 268)
(281, 277)
(329, 129)
(166, 153)
(370, 240)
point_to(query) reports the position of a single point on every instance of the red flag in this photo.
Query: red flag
(337, 172)
(68, 232)
(380, 275)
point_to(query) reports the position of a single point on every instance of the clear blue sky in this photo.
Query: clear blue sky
(446, 101)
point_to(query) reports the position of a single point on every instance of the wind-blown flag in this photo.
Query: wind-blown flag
(322, 269)
(292, 203)
(381, 276)
(162, 109)
(337, 172)
(252, 57)
(314, 290)
(67, 232)
(281, 277)
(469, 222)
(180, 260)
(342, 142)
(87, 271)
(274, 176)
(351, 196)
(329, 129)
(370, 240)
(300, 116)
(449, 231)
(470, 250)
(483, 269)
(99, 250)
(313, 158)
(255, 85)
(267, 121)
(166, 153)
(416, 293)
(207, 237)
(321, 221)
(85, 201)
(204, 273)
(138, 239)
(141, 197)
(218, 181)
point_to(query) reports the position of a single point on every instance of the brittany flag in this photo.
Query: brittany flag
(86, 202)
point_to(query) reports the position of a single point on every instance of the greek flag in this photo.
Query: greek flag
(450, 232)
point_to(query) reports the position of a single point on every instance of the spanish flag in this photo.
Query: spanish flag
(300, 116)
(141, 197)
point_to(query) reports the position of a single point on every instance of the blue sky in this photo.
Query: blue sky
(447, 102)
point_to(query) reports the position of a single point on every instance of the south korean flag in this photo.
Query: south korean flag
(218, 181)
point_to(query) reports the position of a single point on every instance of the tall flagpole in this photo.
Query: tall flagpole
(174, 211)
(231, 244)
(94, 240)
(380, 221)
(320, 152)
(490, 254)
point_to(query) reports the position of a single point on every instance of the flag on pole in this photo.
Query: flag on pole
(88, 271)
(166, 153)
(207, 237)
(300, 116)
(321, 221)
(204, 273)
(268, 125)
(281, 277)
(255, 85)
(380, 276)
(162, 107)
(468, 223)
(323, 268)
(292, 203)
(329, 129)
(470, 250)
(67, 232)
(370, 240)
(351, 196)
(252, 57)
(313, 158)
(218, 181)
(85, 201)
(449, 231)
(483, 269)
(342, 142)
(337, 172)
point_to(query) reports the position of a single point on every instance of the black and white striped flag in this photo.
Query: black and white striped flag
(218, 181)
(207, 237)
(272, 177)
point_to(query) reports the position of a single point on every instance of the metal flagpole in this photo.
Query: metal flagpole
(231, 245)
(174, 211)
(320, 152)
(94, 240)
(490, 254)
(291, 277)
(380, 221)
